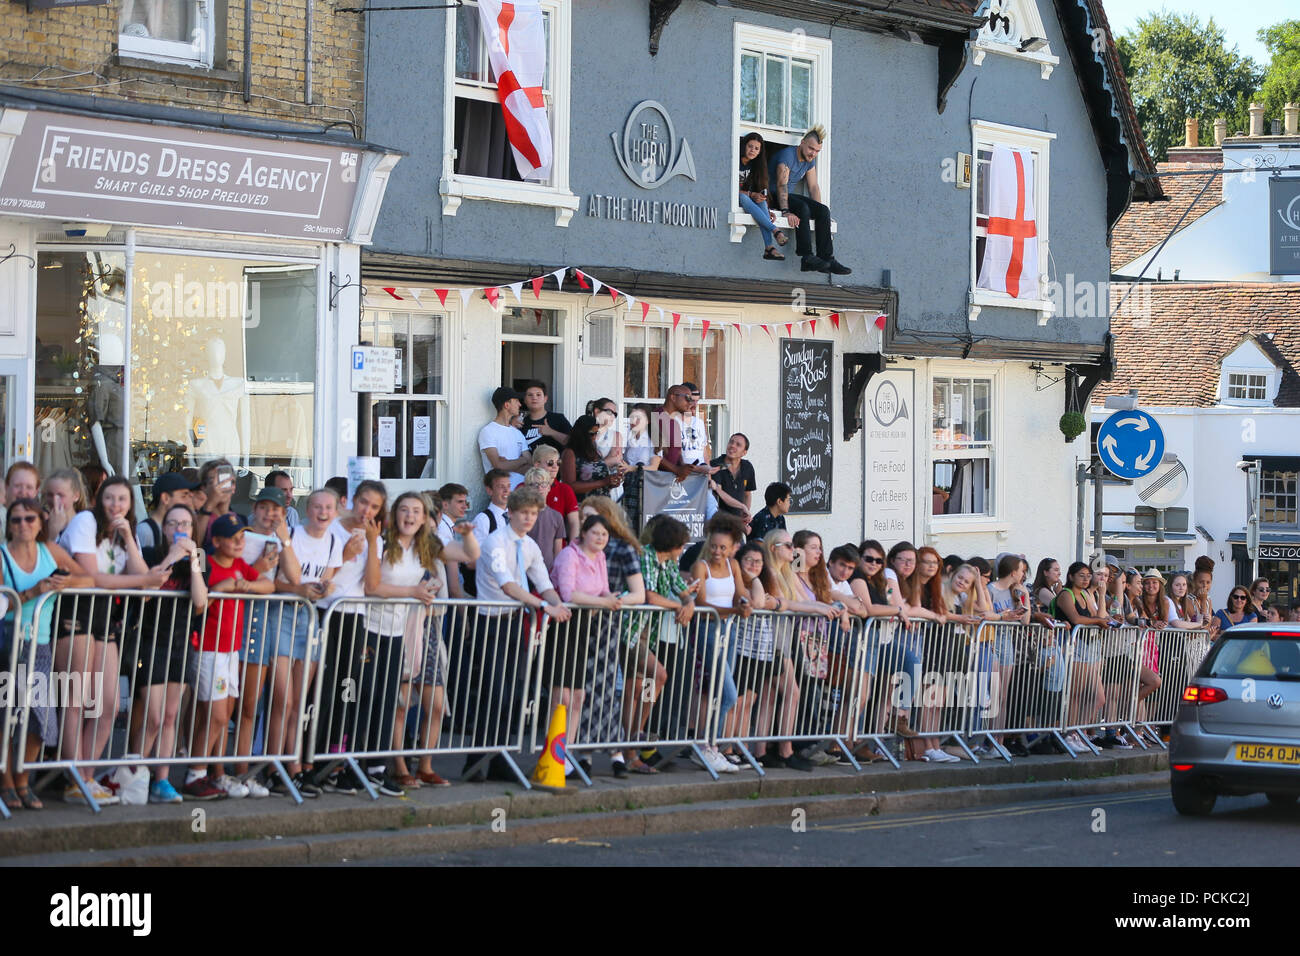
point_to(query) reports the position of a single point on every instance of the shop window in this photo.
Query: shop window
(655, 358)
(1278, 497)
(962, 446)
(482, 165)
(704, 364)
(998, 290)
(222, 355)
(407, 422)
(171, 31)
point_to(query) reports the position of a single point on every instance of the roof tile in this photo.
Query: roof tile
(1145, 225)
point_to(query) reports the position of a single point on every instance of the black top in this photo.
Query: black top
(734, 485)
(763, 522)
(877, 596)
(179, 580)
(553, 420)
(746, 174)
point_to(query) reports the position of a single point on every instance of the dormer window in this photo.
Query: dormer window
(1015, 29)
(1247, 386)
(1248, 375)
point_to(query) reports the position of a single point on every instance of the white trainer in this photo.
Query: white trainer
(231, 787)
(256, 789)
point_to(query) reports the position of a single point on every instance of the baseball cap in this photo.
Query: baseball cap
(172, 482)
(225, 526)
(273, 495)
(503, 395)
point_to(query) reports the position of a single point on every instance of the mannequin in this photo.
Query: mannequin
(216, 412)
(107, 408)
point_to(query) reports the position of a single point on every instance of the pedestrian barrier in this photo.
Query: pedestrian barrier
(1024, 667)
(177, 677)
(1170, 658)
(799, 679)
(402, 679)
(152, 680)
(14, 633)
(637, 679)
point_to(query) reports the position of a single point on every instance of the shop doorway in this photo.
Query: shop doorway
(523, 362)
(530, 350)
(15, 401)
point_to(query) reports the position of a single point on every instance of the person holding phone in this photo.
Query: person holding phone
(32, 566)
(102, 541)
(217, 482)
(162, 645)
(64, 495)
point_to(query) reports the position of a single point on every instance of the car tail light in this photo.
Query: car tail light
(1196, 694)
(1183, 766)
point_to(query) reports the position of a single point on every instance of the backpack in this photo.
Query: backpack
(468, 575)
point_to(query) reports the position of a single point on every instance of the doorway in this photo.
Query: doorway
(530, 350)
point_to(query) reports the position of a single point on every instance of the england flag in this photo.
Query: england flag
(1010, 261)
(516, 42)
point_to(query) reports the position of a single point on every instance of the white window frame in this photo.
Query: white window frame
(455, 188)
(747, 37)
(199, 53)
(1271, 382)
(990, 520)
(985, 135)
(1025, 14)
(1274, 524)
(723, 411)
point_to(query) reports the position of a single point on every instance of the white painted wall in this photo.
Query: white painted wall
(1230, 242)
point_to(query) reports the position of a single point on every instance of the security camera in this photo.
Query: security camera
(1245, 465)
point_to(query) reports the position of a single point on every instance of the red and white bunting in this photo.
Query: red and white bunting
(492, 294)
(516, 288)
(464, 296)
(677, 317)
(537, 286)
(393, 293)
(881, 319)
(596, 285)
(645, 310)
(442, 296)
(704, 332)
(613, 293)
(582, 280)
(835, 320)
(559, 281)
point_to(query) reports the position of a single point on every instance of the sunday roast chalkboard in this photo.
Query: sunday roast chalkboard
(805, 396)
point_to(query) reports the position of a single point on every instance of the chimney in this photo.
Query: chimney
(1193, 132)
(1220, 131)
(1291, 119)
(1256, 119)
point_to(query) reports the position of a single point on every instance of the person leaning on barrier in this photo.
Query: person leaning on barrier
(63, 494)
(102, 541)
(32, 566)
(162, 645)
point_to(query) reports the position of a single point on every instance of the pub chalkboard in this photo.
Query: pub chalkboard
(805, 409)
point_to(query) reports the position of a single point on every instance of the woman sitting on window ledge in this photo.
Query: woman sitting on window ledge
(753, 193)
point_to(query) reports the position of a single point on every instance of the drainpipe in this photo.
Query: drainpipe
(311, 9)
(128, 288)
(248, 51)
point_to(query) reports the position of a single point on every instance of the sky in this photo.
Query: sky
(1239, 21)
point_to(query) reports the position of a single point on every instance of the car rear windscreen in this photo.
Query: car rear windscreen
(1263, 657)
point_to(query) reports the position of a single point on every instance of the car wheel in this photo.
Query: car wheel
(1191, 800)
(1282, 799)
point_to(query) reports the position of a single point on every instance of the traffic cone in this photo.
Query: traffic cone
(549, 772)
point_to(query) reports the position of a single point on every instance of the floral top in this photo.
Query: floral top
(588, 470)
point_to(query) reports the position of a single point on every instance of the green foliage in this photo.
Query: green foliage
(1178, 67)
(1072, 425)
(1282, 78)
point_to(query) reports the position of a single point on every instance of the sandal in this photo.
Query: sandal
(640, 766)
(781, 238)
(771, 253)
(10, 797)
(30, 800)
(409, 782)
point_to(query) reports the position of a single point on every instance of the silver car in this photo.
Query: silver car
(1238, 726)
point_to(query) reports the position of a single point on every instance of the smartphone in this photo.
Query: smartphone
(60, 572)
(268, 551)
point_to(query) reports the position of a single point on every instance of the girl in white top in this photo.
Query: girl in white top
(102, 542)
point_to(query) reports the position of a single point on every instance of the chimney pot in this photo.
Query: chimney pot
(1256, 119)
(1291, 119)
(1193, 131)
(1220, 131)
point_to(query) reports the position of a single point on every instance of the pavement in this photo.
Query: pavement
(468, 817)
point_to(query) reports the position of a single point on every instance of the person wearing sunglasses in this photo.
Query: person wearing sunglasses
(32, 566)
(1238, 611)
(1260, 590)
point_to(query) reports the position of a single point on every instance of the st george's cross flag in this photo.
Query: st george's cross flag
(1010, 262)
(516, 43)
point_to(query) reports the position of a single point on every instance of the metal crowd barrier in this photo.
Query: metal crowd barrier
(636, 679)
(15, 684)
(1176, 654)
(134, 655)
(798, 680)
(1027, 689)
(1101, 683)
(403, 680)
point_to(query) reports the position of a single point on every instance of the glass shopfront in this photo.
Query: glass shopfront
(222, 362)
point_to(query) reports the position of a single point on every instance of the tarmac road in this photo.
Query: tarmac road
(1128, 829)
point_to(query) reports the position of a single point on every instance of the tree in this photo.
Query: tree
(1282, 78)
(1178, 68)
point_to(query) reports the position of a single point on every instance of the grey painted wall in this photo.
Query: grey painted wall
(893, 210)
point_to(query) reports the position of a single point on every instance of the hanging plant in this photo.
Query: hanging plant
(1072, 425)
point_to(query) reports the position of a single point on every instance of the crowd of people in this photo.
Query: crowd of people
(551, 537)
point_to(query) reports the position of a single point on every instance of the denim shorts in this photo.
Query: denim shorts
(848, 642)
(1087, 651)
(277, 630)
(1006, 652)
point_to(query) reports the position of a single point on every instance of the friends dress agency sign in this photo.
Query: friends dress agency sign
(117, 172)
(805, 409)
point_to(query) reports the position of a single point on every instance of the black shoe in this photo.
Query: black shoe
(306, 788)
(1016, 748)
(795, 762)
(772, 760)
(1105, 741)
(387, 786)
(833, 265)
(585, 764)
(812, 264)
(479, 776)
(620, 770)
(340, 781)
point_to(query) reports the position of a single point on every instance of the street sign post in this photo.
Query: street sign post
(1130, 444)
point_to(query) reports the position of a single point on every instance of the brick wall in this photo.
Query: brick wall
(75, 49)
